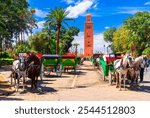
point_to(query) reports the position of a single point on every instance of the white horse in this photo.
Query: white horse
(121, 68)
(139, 63)
(19, 68)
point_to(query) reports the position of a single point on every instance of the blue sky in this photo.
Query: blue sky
(105, 14)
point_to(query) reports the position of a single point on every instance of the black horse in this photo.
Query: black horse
(34, 67)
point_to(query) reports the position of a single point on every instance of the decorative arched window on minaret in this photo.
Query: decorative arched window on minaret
(88, 37)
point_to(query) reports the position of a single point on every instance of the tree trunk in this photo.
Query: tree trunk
(76, 49)
(1, 52)
(57, 39)
(21, 37)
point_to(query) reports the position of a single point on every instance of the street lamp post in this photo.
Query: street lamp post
(104, 49)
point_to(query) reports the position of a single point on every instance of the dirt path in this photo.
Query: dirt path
(86, 85)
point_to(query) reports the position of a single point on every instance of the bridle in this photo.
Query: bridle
(22, 64)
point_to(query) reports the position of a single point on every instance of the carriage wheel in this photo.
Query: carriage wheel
(46, 72)
(59, 69)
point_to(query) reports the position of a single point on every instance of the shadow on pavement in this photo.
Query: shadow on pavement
(141, 88)
(88, 69)
(40, 90)
(81, 73)
(10, 99)
(5, 68)
(55, 76)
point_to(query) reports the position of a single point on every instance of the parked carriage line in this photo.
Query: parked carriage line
(115, 68)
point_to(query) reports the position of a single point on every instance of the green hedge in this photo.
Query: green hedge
(6, 61)
(4, 55)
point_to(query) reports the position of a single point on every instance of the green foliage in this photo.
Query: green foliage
(43, 42)
(56, 18)
(15, 19)
(10, 52)
(120, 40)
(133, 35)
(22, 47)
(108, 34)
(7, 61)
(40, 42)
(52, 44)
(146, 51)
(67, 36)
(139, 28)
(4, 55)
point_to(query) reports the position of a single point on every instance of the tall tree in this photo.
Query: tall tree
(39, 42)
(108, 37)
(108, 34)
(57, 16)
(120, 40)
(67, 36)
(76, 47)
(139, 31)
(15, 19)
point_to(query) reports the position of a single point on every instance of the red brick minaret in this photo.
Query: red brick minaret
(88, 37)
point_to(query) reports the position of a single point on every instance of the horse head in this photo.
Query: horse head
(22, 63)
(144, 62)
(33, 59)
(128, 61)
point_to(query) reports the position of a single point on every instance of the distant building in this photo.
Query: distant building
(88, 37)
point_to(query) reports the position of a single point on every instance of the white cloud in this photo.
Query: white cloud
(107, 27)
(95, 6)
(98, 42)
(147, 3)
(129, 11)
(40, 13)
(40, 24)
(79, 8)
(69, 1)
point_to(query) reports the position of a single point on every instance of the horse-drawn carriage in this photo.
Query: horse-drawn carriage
(94, 59)
(106, 65)
(51, 63)
(69, 62)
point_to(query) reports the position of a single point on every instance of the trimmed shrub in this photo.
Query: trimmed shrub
(4, 55)
(6, 61)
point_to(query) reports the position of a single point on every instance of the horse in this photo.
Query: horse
(139, 65)
(121, 67)
(19, 68)
(33, 70)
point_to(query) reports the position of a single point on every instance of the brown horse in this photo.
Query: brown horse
(34, 67)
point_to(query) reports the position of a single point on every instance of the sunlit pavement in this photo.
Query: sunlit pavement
(87, 86)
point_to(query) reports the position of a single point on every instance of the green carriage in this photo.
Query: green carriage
(51, 63)
(94, 61)
(106, 65)
(69, 62)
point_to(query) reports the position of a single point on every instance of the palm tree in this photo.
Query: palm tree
(57, 17)
(76, 47)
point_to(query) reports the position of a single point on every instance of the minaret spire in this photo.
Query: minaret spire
(88, 36)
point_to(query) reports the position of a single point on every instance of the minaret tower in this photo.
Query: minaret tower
(88, 37)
